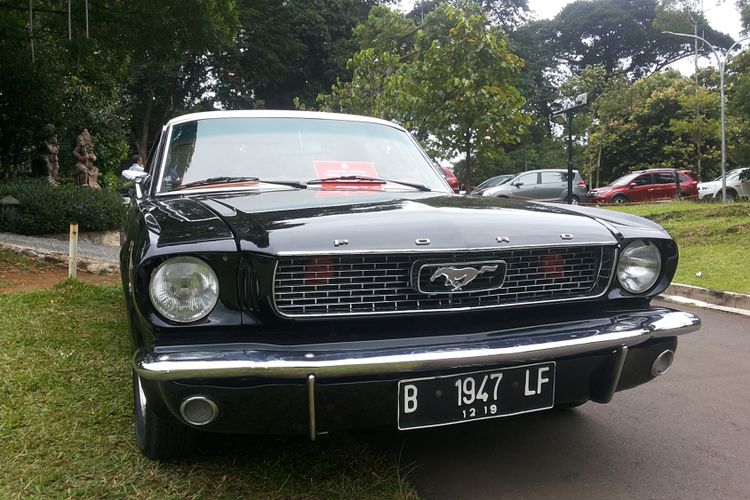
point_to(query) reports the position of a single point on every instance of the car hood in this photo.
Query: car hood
(712, 184)
(292, 221)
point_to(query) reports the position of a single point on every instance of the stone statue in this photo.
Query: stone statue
(86, 172)
(45, 163)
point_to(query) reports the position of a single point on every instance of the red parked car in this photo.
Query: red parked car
(646, 185)
(451, 178)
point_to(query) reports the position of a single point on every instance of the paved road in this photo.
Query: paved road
(684, 435)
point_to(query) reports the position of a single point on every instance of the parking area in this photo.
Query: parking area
(686, 435)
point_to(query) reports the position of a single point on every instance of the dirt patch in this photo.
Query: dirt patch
(19, 273)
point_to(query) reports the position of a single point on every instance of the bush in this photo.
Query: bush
(46, 210)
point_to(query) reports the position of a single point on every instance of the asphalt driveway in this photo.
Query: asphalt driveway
(685, 435)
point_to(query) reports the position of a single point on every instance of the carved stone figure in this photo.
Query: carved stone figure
(45, 162)
(86, 172)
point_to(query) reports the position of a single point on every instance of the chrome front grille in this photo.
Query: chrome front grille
(360, 284)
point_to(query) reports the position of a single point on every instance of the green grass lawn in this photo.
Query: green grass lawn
(714, 240)
(66, 420)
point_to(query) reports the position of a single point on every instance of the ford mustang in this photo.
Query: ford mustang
(301, 272)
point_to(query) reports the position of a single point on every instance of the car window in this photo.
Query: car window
(499, 181)
(684, 178)
(292, 149)
(624, 180)
(664, 178)
(643, 180)
(527, 179)
(550, 177)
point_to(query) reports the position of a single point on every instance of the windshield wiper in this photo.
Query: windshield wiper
(296, 184)
(366, 180)
(215, 180)
(231, 179)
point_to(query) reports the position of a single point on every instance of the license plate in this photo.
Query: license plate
(454, 399)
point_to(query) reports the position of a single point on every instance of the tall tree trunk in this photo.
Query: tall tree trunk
(141, 140)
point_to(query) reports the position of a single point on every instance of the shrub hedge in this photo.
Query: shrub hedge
(47, 210)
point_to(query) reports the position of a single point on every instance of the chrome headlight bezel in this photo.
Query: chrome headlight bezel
(639, 266)
(172, 304)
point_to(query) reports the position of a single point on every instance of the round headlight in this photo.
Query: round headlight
(184, 289)
(639, 266)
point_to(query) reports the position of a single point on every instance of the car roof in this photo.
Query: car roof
(654, 170)
(563, 170)
(274, 113)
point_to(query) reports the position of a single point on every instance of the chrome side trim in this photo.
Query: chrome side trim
(285, 253)
(546, 342)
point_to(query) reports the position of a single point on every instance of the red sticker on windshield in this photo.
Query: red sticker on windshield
(326, 169)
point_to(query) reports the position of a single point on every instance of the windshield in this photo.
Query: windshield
(624, 180)
(732, 175)
(494, 181)
(294, 149)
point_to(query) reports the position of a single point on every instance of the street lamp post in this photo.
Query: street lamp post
(565, 117)
(722, 63)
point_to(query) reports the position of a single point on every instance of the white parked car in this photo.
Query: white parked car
(736, 188)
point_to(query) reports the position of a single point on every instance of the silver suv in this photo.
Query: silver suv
(544, 185)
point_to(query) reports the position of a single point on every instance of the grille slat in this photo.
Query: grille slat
(367, 284)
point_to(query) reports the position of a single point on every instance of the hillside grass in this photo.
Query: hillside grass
(66, 424)
(714, 241)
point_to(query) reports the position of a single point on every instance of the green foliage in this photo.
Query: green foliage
(744, 7)
(67, 420)
(653, 123)
(284, 50)
(622, 37)
(47, 210)
(372, 89)
(714, 241)
(454, 85)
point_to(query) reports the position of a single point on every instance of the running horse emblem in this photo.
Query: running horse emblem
(458, 277)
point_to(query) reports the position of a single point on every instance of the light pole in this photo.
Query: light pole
(565, 116)
(722, 63)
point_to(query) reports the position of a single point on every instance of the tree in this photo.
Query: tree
(618, 35)
(650, 124)
(167, 44)
(72, 83)
(461, 93)
(452, 84)
(287, 50)
(744, 8)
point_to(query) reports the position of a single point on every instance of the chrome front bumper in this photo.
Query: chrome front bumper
(341, 360)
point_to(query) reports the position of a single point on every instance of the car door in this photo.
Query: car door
(551, 185)
(664, 186)
(525, 186)
(743, 187)
(641, 188)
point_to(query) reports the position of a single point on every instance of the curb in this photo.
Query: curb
(84, 263)
(736, 303)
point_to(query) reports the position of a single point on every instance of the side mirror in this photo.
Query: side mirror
(518, 184)
(140, 184)
(633, 185)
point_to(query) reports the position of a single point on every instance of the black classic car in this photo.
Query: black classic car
(299, 272)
